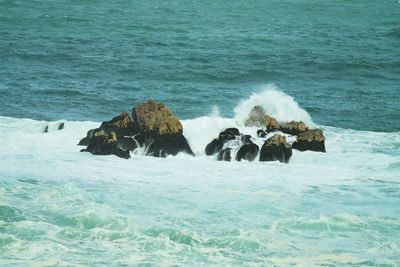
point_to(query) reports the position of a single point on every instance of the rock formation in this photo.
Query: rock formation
(276, 148)
(313, 140)
(216, 144)
(152, 126)
(248, 151)
(293, 127)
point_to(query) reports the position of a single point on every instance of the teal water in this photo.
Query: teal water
(83, 62)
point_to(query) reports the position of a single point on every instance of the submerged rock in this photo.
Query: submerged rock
(261, 133)
(225, 154)
(60, 126)
(256, 116)
(276, 148)
(313, 140)
(216, 144)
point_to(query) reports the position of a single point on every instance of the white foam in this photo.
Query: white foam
(275, 103)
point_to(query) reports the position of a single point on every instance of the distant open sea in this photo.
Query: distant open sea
(333, 64)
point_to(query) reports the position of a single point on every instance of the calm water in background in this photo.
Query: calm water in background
(83, 62)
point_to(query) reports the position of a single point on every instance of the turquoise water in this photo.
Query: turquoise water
(334, 64)
(85, 60)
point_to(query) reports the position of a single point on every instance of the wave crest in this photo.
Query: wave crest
(276, 103)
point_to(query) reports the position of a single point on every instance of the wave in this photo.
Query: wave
(344, 147)
(275, 103)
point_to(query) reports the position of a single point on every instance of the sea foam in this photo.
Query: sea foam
(64, 205)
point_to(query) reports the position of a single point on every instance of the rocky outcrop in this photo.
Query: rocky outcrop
(293, 127)
(225, 154)
(216, 144)
(313, 140)
(156, 119)
(152, 126)
(248, 151)
(270, 124)
(276, 148)
(167, 144)
(103, 143)
(122, 125)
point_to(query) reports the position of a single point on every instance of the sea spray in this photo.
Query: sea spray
(276, 104)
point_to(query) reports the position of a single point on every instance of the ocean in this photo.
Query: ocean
(333, 64)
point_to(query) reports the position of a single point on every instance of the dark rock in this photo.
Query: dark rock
(46, 129)
(165, 145)
(276, 148)
(61, 126)
(294, 127)
(214, 147)
(246, 139)
(122, 125)
(261, 133)
(89, 135)
(247, 152)
(313, 140)
(216, 144)
(229, 134)
(224, 154)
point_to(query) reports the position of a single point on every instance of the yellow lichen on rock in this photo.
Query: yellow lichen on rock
(270, 123)
(312, 135)
(295, 126)
(124, 122)
(276, 139)
(157, 118)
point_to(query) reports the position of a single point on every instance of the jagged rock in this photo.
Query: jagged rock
(214, 147)
(248, 150)
(276, 148)
(152, 126)
(224, 154)
(122, 125)
(60, 126)
(103, 143)
(294, 127)
(271, 124)
(216, 144)
(261, 133)
(256, 116)
(313, 140)
(229, 134)
(165, 145)
(153, 118)
(130, 143)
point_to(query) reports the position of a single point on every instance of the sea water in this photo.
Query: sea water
(333, 64)
(62, 207)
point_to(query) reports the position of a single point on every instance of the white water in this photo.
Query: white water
(338, 208)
